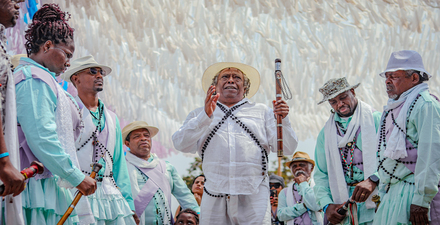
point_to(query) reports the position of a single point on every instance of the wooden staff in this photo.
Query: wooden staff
(95, 169)
(35, 168)
(278, 81)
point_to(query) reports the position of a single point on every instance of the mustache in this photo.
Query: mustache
(299, 172)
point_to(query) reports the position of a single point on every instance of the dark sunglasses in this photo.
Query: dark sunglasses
(275, 185)
(95, 70)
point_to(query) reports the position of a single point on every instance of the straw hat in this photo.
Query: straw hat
(83, 63)
(334, 87)
(138, 125)
(15, 60)
(250, 72)
(405, 60)
(300, 156)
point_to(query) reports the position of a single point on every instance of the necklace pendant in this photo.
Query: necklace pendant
(349, 144)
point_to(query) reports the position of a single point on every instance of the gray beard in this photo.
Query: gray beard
(300, 171)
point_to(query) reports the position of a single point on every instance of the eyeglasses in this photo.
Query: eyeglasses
(94, 71)
(275, 185)
(67, 55)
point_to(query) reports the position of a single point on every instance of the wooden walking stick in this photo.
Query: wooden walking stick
(95, 169)
(35, 168)
(281, 89)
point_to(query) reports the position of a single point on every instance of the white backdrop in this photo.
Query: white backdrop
(159, 49)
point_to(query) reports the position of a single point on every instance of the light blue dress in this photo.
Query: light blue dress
(44, 202)
(322, 189)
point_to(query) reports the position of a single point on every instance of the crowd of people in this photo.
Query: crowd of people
(370, 167)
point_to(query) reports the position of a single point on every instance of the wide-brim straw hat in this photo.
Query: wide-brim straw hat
(15, 60)
(300, 157)
(138, 125)
(81, 64)
(405, 60)
(249, 71)
(335, 87)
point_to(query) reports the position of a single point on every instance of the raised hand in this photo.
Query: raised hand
(211, 101)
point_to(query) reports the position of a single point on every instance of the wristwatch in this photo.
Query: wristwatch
(374, 178)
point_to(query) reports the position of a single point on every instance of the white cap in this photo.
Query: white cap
(405, 60)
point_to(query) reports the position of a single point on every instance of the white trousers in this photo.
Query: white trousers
(237, 209)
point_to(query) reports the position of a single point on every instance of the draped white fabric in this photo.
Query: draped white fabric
(158, 50)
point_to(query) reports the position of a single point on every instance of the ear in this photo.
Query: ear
(415, 78)
(127, 143)
(47, 45)
(352, 91)
(74, 79)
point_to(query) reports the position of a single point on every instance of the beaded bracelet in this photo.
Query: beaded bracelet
(4, 155)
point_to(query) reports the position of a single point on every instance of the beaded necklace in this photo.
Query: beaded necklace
(162, 198)
(98, 148)
(296, 189)
(351, 146)
(382, 139)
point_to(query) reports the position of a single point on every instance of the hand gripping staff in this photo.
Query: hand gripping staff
(344, 209)
(95, 169)
(35, 168)
(282, 89)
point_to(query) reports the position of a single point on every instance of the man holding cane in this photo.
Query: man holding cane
(233, 136)
(345, 154)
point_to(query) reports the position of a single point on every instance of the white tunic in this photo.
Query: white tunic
(232, 161)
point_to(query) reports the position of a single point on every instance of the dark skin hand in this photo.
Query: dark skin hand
(300, 178)
(211, 101)
(332, 215)
(363, 190)
(280, 107)
(136, 218)
(418, 215)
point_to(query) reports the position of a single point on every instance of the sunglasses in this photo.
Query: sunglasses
(94, 71)
(275, 185)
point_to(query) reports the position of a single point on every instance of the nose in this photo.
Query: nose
(67, 63)
(230, 80)
(17, 6)
(340, 103)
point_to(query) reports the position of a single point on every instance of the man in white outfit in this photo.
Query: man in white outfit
(233, 136)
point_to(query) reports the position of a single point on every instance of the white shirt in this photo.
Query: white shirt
(232, 161)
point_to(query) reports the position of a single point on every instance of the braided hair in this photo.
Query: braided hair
(190, 211)
(48, 24)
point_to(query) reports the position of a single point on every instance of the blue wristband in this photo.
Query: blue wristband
(4, 155)
(325, 208)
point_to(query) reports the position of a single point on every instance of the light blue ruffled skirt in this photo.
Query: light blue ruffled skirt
(395, 205)
(110, 209)
(44, 202)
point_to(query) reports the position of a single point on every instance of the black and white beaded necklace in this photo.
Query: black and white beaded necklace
(162, 198)
(382, 139)
(228, 113)
(98, 148)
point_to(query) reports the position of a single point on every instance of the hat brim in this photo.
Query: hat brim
(338, 93)
(300, 160)
(69, 73)
(251, 73)
(396, 69)
(153, 131)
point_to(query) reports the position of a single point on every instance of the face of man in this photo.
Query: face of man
(89, 80)
(230, 85)
(276, 186)
(9, 12)
(186, 219)
(139, 143)
(301, 167)
(345, 103)
(397, 82)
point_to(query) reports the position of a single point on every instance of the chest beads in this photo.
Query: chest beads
(350, 146)
(99, 149)
(162, 198)
(228, 113)
(382, 139)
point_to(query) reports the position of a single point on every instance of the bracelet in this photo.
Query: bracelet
(4, 155)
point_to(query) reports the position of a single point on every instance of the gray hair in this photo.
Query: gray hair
(246, 83)
(422, 76)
